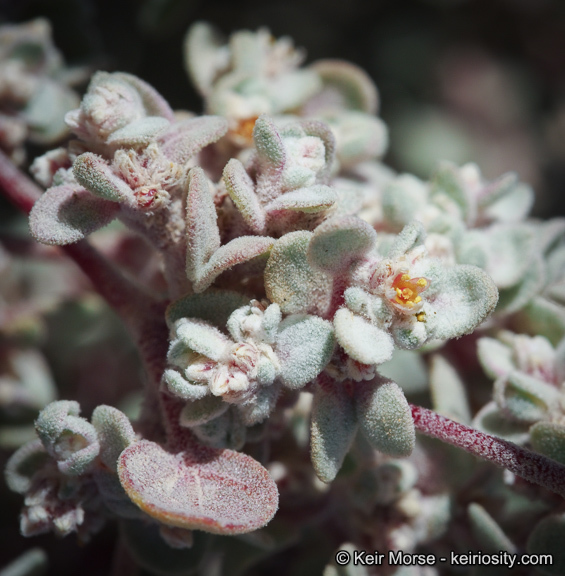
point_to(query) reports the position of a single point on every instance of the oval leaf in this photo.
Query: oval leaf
(334, 425)
(385, 418)
(304, 346)
(360, 339)
(228, 494)
(67, 214)
(237, 251)
(339, 241)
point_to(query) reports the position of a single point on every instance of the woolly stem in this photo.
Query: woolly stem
(143, 315)
(524, 463)
(121, 294)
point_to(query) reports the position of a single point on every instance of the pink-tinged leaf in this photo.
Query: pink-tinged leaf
(269, 145)
(214, 306)
(241, 189)
(353, 86)
(203, 55)
(235, 252)
(292, 282)
(92, 172)
(309, 200)
(67, 214)
(339, 241)
(139, 132)
(154, 103)
(322, 131)
(333, 428)
(184, 139)
(228, 493)
(203, 236)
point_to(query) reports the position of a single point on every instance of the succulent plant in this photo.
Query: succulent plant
(300, 284)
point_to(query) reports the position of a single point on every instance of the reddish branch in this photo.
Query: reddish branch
(143, 315)
(527, 464)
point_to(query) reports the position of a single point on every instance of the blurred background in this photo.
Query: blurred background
(465, 80)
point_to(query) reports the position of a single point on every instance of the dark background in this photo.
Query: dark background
(468, 80)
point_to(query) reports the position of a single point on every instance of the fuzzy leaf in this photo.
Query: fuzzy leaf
(23, 463)
(138, 133)
(290, 281)
(67, 214)
(238, 251)
(488, 533)
(213, 306)
(269, 144)
(385, 418)
(362, 340)
(355, 88)
(201, 337)
(201, 411)
(203, 235)
(334, 425)
(241, 189)
(448, 183)
(549, 439)
(181, 387)
(508, 200)
(507, 251)
(543, 317)
(186, 138)
(547, 538)
(226, 493)
(45, 112)
(495, 357)
(359, 137)
(523, 398)
(262, 405)
(490, 419)
(412, 234)
(115, 433)
(408, 369)
(92, 172)
(225, 431)
(202, 55)
(69, 439)
(308, 200)
(467, 297)
(304, 346)
(154, 103)
(339, 241)
(113, 494)
(322, 131)
(271, 321)
(448, 393)
(404, 199)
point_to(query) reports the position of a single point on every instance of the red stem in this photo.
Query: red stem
(143, 315)
(527, 464)
(17, 187)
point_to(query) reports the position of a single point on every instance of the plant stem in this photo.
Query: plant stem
(18, 188)
(529, 465)
(143, 315)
